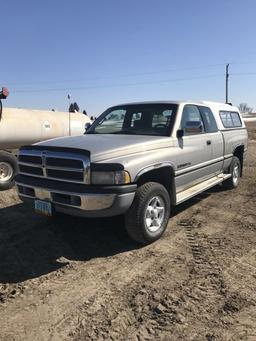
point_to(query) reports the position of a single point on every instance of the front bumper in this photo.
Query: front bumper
(76, 199)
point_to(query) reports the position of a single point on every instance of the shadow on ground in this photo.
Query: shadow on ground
(30, 245)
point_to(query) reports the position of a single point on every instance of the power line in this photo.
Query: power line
(117, 85)
(119, 76)
(129, 84)
(242, 73)
(242, 63)
(129, 75)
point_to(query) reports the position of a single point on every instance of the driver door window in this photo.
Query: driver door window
(191, 113)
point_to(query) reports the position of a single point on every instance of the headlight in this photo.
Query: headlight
(110, 178)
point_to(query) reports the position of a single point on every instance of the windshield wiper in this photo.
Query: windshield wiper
(128, 132)
(92, 132)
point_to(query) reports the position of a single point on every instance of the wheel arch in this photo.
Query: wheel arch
(162, 173)
(239, 152)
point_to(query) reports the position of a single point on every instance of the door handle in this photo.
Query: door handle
(208, 142)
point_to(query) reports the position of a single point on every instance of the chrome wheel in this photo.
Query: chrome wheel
(236, 174)
(154, 214)
(6, 172)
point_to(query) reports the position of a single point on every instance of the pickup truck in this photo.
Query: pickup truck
(137, 159)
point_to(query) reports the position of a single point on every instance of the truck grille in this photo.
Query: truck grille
(55, 163)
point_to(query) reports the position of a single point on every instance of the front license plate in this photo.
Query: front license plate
(43, 207)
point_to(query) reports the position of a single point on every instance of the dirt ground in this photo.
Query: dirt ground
(76, 279)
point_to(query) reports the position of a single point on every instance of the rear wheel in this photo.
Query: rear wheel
(235, 171)
(147, 218)
(8, 170)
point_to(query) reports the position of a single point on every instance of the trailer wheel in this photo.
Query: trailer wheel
(8, 170)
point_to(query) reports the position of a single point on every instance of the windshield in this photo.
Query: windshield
(141, 119)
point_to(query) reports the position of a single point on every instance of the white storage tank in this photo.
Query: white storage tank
(19, 127)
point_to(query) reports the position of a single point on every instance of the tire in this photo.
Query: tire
(235, 171)
(8, 170)
(143, 222)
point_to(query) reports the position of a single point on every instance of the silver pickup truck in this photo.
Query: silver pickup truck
(136, 159)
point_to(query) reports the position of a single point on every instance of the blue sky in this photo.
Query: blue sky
(105, 52)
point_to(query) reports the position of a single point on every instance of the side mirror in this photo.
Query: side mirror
(180, 133)
(87, 126)
(193, 127)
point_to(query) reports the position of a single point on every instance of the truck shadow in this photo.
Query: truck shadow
(31, 245)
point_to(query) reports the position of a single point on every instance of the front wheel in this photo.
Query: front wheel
(8, 170)
(235, 171)
(147, 218)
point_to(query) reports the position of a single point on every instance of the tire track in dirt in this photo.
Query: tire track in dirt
(236, 277)
(204, 266)
(162, 314)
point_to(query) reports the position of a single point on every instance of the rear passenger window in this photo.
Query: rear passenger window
(209, 120)
(236, 119)
(230, 119)
(226, 119)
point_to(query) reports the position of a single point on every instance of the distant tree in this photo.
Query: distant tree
(244, 109)
(73, 107)
(76, 107)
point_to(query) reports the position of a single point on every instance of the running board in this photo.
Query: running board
(203, 186)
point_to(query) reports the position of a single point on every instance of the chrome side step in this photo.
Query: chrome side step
(199, 188)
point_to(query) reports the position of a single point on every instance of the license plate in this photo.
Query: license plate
(43, 207)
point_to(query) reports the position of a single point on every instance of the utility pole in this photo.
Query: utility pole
(227, 76)
(69, 128)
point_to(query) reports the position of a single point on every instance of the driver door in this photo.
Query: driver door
(194, 152)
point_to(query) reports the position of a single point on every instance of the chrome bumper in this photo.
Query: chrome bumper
(80, 204)
(87, 202)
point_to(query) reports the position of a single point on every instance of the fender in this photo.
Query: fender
(238, 145)
(171, 185)
(153, 167)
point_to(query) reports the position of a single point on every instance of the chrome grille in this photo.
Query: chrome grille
(30, 159)
(32, 170)
(57, 165)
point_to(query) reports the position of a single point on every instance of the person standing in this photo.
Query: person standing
(3, 95)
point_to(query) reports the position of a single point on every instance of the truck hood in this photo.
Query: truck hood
(107, 146)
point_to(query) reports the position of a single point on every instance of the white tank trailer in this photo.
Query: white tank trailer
(19, 127)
